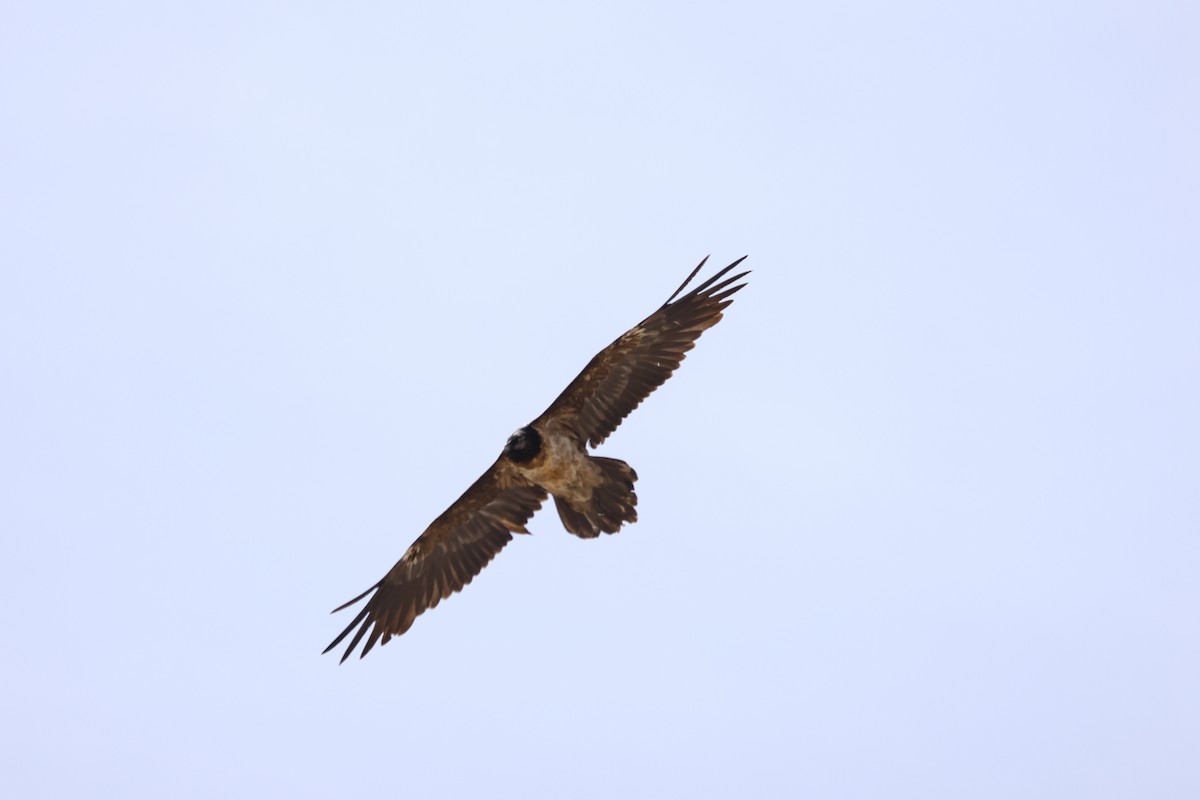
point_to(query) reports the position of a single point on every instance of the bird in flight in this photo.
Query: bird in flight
(549, 456)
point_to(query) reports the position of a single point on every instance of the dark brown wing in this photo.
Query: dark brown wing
(444, 559)
(623, 374)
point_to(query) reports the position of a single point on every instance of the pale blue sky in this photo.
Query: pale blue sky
(919, 519)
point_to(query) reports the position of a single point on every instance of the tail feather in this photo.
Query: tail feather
(612, 503)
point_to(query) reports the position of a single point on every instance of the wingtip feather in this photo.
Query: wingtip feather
(716, 291)
(349, 603)
(686, 281)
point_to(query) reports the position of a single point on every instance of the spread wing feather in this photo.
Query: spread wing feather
(624, 374)
(444, 559)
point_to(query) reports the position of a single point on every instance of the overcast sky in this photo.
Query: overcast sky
(918, 519)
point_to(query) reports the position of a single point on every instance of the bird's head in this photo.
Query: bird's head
(523, 445)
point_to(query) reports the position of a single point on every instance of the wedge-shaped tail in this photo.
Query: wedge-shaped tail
(612, 504)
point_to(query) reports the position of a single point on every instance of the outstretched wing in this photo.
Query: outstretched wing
(444, 559)
(624, 374)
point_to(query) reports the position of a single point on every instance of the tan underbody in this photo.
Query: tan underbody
(563, 468)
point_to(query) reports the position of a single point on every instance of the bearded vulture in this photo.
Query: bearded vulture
(549, 456)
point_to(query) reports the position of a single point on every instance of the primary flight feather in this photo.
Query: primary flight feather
(549, 456)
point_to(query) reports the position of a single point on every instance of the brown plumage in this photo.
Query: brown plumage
(549, 456)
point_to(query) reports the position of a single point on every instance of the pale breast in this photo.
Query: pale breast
(563, 468)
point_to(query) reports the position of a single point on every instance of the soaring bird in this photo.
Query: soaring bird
(549, 456)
